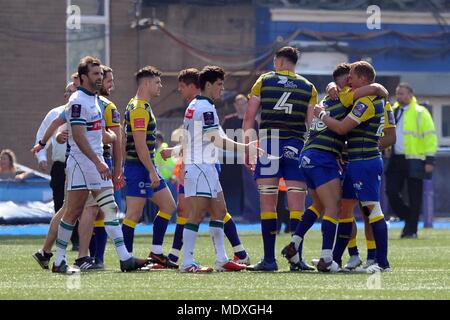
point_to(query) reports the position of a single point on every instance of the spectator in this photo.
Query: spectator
(167, 166)
(8, 170)
(412, 158)
(238, 185)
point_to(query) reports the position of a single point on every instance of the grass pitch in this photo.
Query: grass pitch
(420, 270)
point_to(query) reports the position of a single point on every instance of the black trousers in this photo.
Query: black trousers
(397, 175)
(58, 178)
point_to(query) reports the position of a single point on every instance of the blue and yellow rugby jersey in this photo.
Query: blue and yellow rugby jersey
(111, 118)
(110, 113)
(389, 118)
(322, 138)
(139, 117)
(285, 97)
(363, 140)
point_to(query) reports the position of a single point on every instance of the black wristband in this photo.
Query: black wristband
(42, 144)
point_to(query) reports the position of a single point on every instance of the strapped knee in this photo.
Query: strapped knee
(267, 189)
(297, 190)
(107, 204)
(375, 214)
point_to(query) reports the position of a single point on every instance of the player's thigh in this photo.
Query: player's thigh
(347, 208)
(217, 207)
(75, 204)
(330, 195)
(198, 206)
(135, 206)
(316, 202)
(182, 206)
(164, 200)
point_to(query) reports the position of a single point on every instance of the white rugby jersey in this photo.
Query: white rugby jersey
(84, 109)
(199, 118)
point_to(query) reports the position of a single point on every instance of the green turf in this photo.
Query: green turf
(420, 270)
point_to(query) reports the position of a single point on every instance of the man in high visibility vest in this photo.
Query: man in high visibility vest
(412, 158)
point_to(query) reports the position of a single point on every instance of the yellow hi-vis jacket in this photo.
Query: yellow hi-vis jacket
(419, 133)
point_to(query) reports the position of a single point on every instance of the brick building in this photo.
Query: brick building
(41, 43)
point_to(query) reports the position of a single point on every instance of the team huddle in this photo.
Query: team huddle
(331, 150)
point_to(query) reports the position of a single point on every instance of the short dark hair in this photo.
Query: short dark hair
(289, 53)
(210, 74)
(147, 72)
(106, 69)
(83, 66)
(189, 76)
(407, 86)
(340, 70)
(364, 69)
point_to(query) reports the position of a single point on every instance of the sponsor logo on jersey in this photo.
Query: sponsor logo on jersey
(139, 123)
(189, 114)
(76, 110)
(359, 109)
(97, 125)
(115, 116)
(286, 83)
(208, 118)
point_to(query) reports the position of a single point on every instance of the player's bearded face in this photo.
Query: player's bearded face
(95, 76)
(107, 84)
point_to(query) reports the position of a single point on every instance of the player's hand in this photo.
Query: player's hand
(154, 179)
(333, 92)
(36, 149)
(118, 179)
(43, 166)
(166, 153)
(103, 169)
(61, 137)
(429, 168)
(317, 110)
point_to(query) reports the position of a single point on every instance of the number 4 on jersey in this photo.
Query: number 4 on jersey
(282, 105)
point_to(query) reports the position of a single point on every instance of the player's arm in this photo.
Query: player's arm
(373, 89)
(254, 104)
(175, 152)
(332, 90)
(221, 140)
(389, 138)
(389, 134)
(140, 142)
(108, 136)
(340, 127)
(42, 155)
(139, 119)
(42, 143)
(361, 111)
(117, 157)
(112, 121)
(311, 104)
(79, 136)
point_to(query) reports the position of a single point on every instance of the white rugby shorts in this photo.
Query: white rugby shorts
(82, 174)
(201, 180)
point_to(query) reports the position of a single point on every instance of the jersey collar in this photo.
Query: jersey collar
(86, 91)
(286, 73)
(199, 97)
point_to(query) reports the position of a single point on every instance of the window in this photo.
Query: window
(92, 35)
(445, 120)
